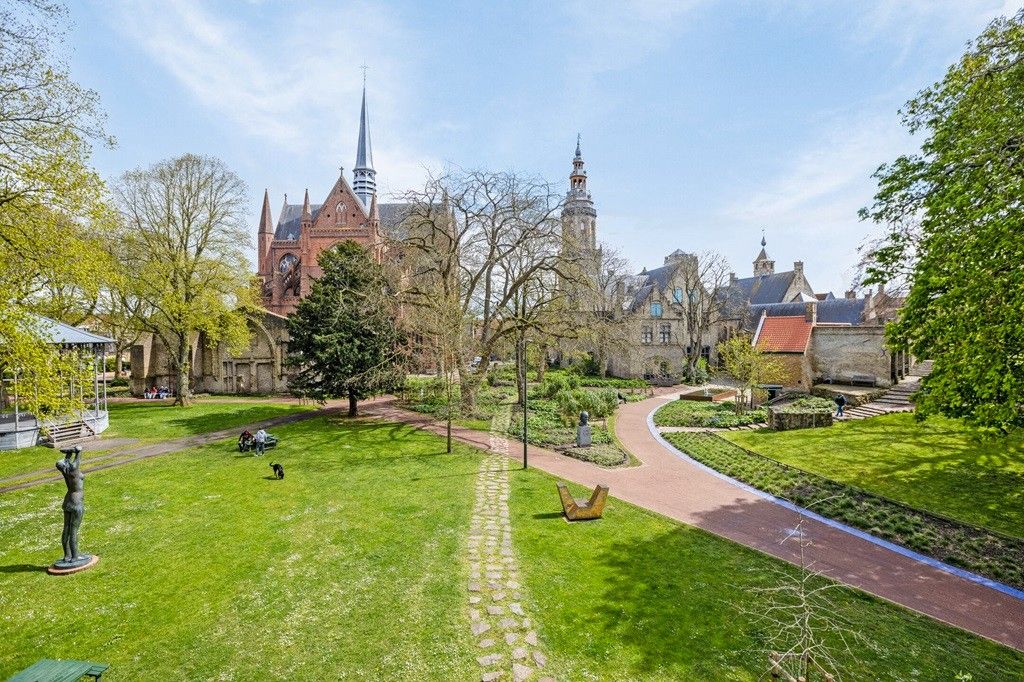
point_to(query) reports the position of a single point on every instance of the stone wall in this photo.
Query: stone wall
(260, 368)
(794, 370)
(839, 353)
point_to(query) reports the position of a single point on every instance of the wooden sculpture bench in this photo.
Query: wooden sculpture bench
(50, 670)
(581, 510)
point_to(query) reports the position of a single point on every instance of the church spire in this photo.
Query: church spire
(265, 236)
(307, 214)
(266, 225)
(364, 182)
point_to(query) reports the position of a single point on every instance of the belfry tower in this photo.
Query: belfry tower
(763, 265)
(579, 218)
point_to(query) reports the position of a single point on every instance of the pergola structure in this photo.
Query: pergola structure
(20, 429)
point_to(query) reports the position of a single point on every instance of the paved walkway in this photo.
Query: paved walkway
(130, 454)
(498, 620)
(680, 489)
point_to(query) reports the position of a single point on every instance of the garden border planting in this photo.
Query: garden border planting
(980, 550)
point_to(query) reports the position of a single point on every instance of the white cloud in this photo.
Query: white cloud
(809, 206)
(297, 94)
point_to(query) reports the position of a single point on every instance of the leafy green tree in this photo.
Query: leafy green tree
(345, 337)
(53, 212)
(182, 243)
(749, 366)
(954, 214)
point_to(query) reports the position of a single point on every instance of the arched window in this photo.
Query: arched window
(340, 217)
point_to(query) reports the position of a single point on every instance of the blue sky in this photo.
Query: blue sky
(703, 122)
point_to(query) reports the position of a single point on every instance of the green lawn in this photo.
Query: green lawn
(940, 464)
(210, 570)
(153, 421)
(354, 567)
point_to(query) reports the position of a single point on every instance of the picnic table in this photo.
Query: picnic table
(51, 670)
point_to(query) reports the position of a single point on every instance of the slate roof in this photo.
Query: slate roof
(649, 280)
(290, 223)
(784, 334)
(834, 311)
(291, 220)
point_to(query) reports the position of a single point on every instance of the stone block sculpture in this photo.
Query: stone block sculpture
(580, 509)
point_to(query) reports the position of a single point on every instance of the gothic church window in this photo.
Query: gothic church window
(339, 215)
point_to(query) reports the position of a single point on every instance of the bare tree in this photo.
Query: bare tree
(804, 627)
(494, 237)
(183, 239)
(703, 276)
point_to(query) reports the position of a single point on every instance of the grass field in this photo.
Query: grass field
(353, 567)
(153, 421)
(940, 464)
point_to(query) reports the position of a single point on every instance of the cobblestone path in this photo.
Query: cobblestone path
(508, 644)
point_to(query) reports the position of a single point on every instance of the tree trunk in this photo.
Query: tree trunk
(542, 363)
(181, 391)
(353, 407)
(468, 385)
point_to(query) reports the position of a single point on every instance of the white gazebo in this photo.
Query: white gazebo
(19, 429)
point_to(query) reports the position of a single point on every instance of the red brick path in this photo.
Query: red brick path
(679, 489)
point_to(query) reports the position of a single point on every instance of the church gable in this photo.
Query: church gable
(341, 209)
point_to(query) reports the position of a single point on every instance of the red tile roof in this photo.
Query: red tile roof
(785, 334)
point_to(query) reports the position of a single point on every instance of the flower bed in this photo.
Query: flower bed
(707, 415)
(980, 550)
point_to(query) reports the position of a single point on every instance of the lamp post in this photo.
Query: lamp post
(522, 374)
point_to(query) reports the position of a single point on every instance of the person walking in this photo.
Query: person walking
(261, 442)
(840, 404)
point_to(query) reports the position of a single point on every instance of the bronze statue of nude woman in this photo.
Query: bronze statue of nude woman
(74, 509)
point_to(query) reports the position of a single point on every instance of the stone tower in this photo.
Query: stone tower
(763, 265)
(579, 218)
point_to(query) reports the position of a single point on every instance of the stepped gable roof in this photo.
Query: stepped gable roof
(649, 280)
(784, 334)
(756, 290)
(290, 222)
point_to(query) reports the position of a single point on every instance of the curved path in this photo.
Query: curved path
(681, 489)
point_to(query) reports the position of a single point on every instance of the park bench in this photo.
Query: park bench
(50, 670)
(580, 510)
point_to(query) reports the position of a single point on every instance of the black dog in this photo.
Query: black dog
(278, 471)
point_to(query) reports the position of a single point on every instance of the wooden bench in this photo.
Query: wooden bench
(51, 670)
(581, 510)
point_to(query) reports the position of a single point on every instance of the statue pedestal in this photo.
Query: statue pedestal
(583, 436)
(83, 563)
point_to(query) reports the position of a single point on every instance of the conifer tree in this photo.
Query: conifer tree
(345, 336)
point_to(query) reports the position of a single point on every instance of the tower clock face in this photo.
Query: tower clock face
(288, 262)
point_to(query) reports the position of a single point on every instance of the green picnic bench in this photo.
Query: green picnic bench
(50, 670)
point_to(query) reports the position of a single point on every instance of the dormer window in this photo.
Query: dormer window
(656, 309)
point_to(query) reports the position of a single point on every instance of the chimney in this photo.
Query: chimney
(811, 312)
(732, 278)
(851, 294)
(798, 267)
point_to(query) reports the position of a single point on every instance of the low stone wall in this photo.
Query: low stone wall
(855, 395)
(712, 396)
(787, 421)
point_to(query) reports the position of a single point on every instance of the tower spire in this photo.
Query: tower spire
(364, 182)
(264, 236)
(579, 218)
(307, 214)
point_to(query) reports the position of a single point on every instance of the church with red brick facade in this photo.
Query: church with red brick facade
(287, 250)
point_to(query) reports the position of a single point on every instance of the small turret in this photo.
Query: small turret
(763, 265)
(306, 219)
(265, 236)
